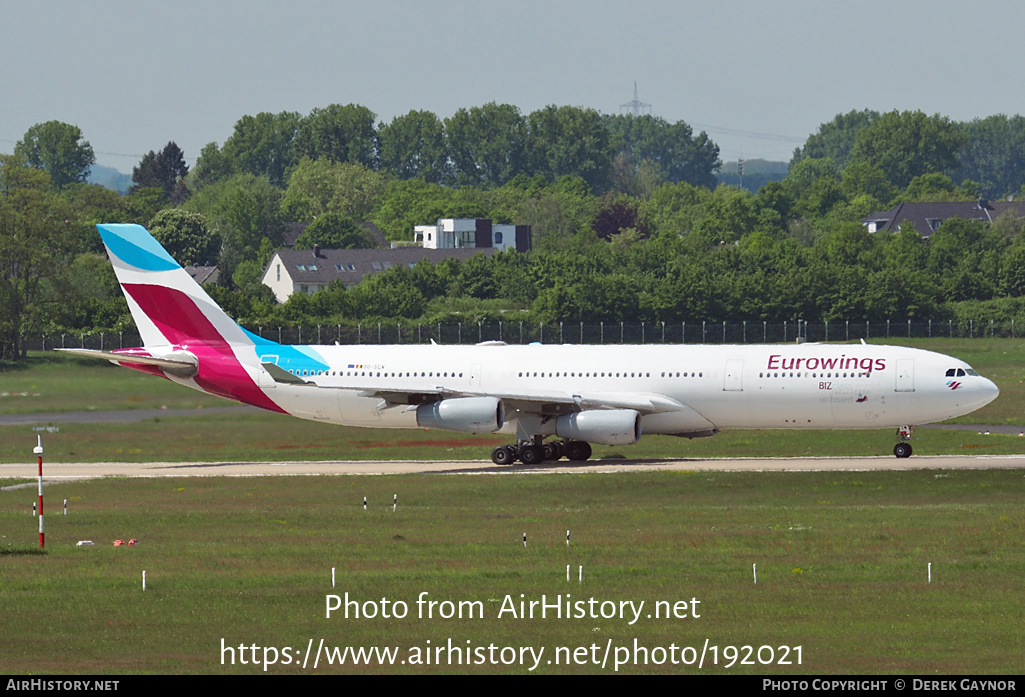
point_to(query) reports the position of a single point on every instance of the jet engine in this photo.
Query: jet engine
(463, 414)
(608, 427)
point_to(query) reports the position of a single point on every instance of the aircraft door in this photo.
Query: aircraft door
(475, 371)
(905, 375)
(733, 376)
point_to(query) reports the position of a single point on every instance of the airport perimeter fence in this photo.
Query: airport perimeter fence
(743, 332)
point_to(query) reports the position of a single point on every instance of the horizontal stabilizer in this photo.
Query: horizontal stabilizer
(180, 364)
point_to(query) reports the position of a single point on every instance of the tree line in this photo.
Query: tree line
(486, 146)
(626, 224)
(989, 152)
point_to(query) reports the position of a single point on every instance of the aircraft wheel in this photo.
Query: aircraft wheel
(531, 454)
(551, 451)
(578, 450)
(502, 455)
(902, 450)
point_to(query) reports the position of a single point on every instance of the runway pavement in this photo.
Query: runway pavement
(55, 472)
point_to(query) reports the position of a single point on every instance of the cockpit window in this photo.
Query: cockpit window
(972, 372)
(950, 372)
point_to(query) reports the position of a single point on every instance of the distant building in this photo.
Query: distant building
(204, 274)
(927, 217)
(479, 233)
(309, 270)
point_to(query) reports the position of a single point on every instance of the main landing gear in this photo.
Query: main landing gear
(534, 452)
(903, 449)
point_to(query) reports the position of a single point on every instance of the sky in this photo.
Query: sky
(757, 76)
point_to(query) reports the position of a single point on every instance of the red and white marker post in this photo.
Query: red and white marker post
(38, 450)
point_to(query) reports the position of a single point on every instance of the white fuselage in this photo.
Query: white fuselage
(677, 389)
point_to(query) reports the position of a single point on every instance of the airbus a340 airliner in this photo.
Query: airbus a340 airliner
(555, 399)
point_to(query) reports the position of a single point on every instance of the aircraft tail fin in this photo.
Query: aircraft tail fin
(184, 332)
(168, 306)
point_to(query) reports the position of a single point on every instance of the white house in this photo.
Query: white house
(461, 233)
(309, 270)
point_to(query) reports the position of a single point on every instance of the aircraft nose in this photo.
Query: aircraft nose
(990, 390)
(985, 391)
(973, 393)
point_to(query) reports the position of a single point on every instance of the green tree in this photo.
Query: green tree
(773, 202)
(94, 204)
(674, 209)
(906, 144)
(864, 178)
(672, 149)
(728, 215)
(321, 186)
(88, 296)
(392, 293)
(964, 255)
(814, 187)
(993, 154)
(141, 205)
(405, 204)
(933, 187)
(487, 144)
(334, 230)
(164, 170)
(36, 229)
(570, 140)
(639, 180)
(835, 139)
(340, 134)
(261, 145)
(185, 237)
(1012, 271)
(212, 166)
(559, 213)
(243, 212)
(413, 146)
(58, 149)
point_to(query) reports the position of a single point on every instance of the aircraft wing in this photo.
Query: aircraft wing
(548, 402)
(563, 402)
(685, 420)
(542, 401)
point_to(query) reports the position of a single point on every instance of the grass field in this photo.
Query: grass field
(273, 437)
(842, 562)
(55, 382)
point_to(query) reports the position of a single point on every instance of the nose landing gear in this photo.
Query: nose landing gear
(903, 449)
